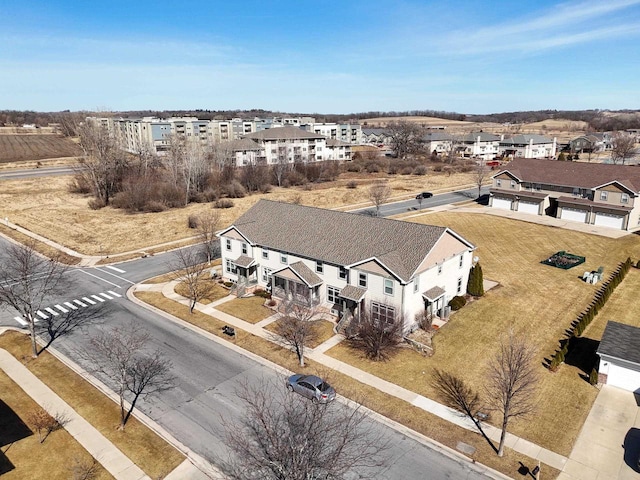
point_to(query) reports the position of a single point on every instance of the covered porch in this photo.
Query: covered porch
(297, 283)
(434, 303)
(247, 271)
(352, 302)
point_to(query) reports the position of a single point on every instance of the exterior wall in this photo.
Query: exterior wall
(486, 150)
(614, 196)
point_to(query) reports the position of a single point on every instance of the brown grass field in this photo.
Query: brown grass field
(147, 450)
(391, 407)
(534, 300)
(44, 206)
(17, 148)
(23, 456)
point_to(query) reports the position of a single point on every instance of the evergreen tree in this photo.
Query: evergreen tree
(562, 157)
(474, 285)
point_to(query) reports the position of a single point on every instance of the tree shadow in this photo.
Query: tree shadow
(582, 355)
(631, 447)
(57, 326)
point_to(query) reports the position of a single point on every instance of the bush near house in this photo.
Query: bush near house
(475, 285)
(457, 302)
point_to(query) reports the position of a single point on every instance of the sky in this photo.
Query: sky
(467, 56)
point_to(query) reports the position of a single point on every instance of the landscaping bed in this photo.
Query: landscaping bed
(564, 260)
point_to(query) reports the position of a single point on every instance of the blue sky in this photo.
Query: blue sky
(320, 57)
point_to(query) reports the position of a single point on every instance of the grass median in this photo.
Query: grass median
(146, 449)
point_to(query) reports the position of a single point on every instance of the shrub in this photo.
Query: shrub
(96, 204)
(593, 377)
(259, 292)
(235, 190)
(457, 302)
(406, 171)
(353, 184)
(210, 195)
(223, 203)
(475, 285)
(295, 178)
(228, 284)
(79, 184)
(420, 170)
(271, 303)
(266, 188)
(154, 207)
(192, 221)
(353, 167)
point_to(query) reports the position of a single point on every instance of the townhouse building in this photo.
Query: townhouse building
(527, 146)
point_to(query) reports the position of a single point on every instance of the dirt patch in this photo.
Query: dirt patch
(17, 148)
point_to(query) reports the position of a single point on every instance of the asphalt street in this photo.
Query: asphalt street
(36, 172)
(207, 373)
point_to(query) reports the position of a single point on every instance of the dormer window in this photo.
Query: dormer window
(604, 195)
(498, 182)
(624, 198)
(513, 184)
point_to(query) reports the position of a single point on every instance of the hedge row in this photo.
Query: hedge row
(585, 318)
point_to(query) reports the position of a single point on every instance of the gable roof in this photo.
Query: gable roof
(621, 341)
(484, 137)
(525, 139)
(303, 272)
(332, 142)
(283, 133)
(574, 174)
(339, 238)
(436, 137)
(244, 144)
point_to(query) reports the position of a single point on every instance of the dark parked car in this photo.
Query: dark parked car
(311, 387)
(423, 195)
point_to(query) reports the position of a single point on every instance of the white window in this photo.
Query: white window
(461, 261)
(265, 253)
(343, 273)
(230, 267)
(362, 279)
(266, 274)
(283, 258)
(624, 198)
(228, 242)
(381, 312)
(244, 248)
(388, 286)
(439, 269)
(416, 284)
(319, 266)
(332, 294)
(459, 286)
(513, 184)
(603, 195)
(498, 182)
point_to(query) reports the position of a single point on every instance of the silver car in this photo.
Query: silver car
(311, 387)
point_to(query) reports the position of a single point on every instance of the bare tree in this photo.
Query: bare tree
(280, 169)
(119, 354)
(512, 380)
(406, 138)
(44, 423)
(283, 436)
(298, 326)
(84, 469)
(187, 165)
(61, 324)
(377, 337)
(622, 146)
(104, 163)
(481, 173)
(27, 279)
(379, 193)
(208, 224)
(456, 394)
(189, 267)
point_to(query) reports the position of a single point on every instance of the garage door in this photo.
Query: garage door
(606, 220)
(623, 378)
(574, 215)
(503, 203)
(528, 207)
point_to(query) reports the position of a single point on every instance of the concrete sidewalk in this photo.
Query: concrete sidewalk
(317, 354)
(110, 457)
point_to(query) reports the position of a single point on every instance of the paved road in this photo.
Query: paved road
(404, 206)
(207, 373)
(36, 172)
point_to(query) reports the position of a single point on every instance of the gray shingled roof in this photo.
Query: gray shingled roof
(282, 133)
(305, 273)
(244, 261)
(524, 139)
(433, 293)
(338, 238)
(351, 292)
(573, 174)
(436, 137)
(621, 341)
(484, 137)
(244, 144)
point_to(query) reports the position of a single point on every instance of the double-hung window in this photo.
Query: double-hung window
(244, 248)
(388, 286)
(228, 243)
(362, 280)
(319, 267)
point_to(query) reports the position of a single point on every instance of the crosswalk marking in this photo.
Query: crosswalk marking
(106, 296)
(61, 308)
(114, 293)
(82, 304)
(97, 298)
(71, 305)
(41, 315)
(88, 300)
(20, 320)
(115, 269)
(52, 311)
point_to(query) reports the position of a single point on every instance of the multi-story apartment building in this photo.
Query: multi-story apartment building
(345, 262)
(528, 146)
(345, 132)
(480, 145)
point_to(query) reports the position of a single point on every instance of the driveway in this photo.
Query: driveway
(609, 443)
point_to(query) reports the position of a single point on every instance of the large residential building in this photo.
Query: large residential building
(439, 142)
(345, 132)
(345, 262)
(528, 146)
(480, 145)
(592, 193)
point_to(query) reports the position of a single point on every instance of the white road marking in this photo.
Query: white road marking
(61, 308)
(115, 269)
(88, 300)
(99, 278)
(114, 293)
(52, 311)
(80, 303)
(97, 298)
(106, 296)
(71, 305)
(20, 320)
(41, 315)
(114, 275)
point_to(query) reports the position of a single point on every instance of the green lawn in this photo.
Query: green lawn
(534, 300)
